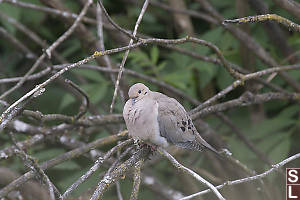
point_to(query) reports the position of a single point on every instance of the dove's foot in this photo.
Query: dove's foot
(149, 146)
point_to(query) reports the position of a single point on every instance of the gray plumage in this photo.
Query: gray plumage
(156, 118)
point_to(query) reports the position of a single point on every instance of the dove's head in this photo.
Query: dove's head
(138, 91)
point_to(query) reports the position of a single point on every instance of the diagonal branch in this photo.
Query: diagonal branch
(50, 49)
(248, 179)
(126, 54)
(190, 172)
(94, 168)
(119, 172)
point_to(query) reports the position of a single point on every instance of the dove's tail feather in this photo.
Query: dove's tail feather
(199, 146)
(192, 145)
(208, 146)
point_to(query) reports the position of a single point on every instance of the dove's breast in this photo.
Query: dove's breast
(141, 120)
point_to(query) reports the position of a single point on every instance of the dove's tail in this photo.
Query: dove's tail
(208, 146)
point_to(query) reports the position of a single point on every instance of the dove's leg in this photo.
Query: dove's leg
(140, 144)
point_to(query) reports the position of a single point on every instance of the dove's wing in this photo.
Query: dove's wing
(176, 125)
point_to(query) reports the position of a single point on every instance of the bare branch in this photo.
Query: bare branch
(245, 100)
(85, 102)
(118, 172)
(59, 159)
(136, 180)
(244, 180)
(268, 17)
(49, 50)
(32, 164)
(95, 167)
(190, 172)
(126, 53)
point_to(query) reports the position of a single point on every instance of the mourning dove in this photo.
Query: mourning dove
(156, 118)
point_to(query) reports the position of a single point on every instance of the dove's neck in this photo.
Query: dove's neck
(145, 97)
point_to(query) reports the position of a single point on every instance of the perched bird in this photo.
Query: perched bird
(156, 118)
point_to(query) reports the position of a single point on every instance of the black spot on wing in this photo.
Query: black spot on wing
(189, 127)
(183, 123)
(189, 122)
(182, 128)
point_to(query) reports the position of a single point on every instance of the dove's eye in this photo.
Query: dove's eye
(140, 91)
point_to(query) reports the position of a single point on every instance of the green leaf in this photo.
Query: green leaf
(178, 78)
(179, 60)
(294, 74)
(269, 126)
(47, 154)
(161, 66)
(33, 18)
(277, 146)
(91, 75)
(223, 78)
(239, 150)
(66, 101)
(74, 46)
(213, 35)
(67, 165)
(207, 72)
(95, 91)
(228, 42)
(11, 11)
(154, 55)
(138, 57)
(289, 112)
(73, 175)
(72, 5)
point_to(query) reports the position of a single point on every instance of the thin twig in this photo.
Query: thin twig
(130, 35)
(52, 11)
(237, 83)
(245, 100)
(9, 151)
(85, 102)
(126, 54)
(33, 165)
(268, 17)
(5, 114)
(244, 180)
(32, 35)
(61, 158)
(118, 172)
(95, 167)
(118, 188)
(190, 172)
(28, 53)
(49, 50)
(160, 188)
(136, 180)
(101, 44)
